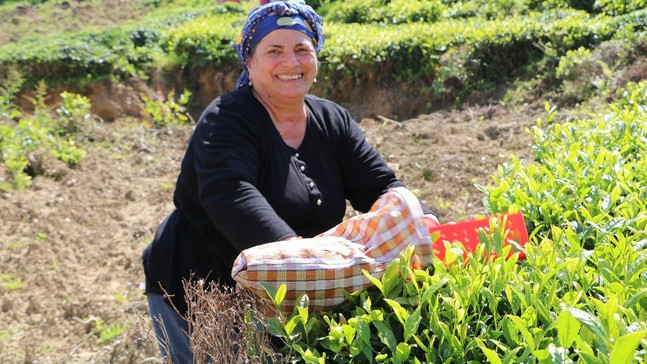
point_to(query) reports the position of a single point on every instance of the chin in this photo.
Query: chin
(291, 93)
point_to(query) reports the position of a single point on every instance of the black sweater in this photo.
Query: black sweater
(240, 185)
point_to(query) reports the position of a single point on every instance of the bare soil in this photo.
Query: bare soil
(70, 245)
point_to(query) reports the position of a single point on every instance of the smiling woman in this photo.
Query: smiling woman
(266, 162)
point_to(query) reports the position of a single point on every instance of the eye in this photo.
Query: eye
(274, 51)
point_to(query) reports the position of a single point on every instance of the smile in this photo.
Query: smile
(290, 77)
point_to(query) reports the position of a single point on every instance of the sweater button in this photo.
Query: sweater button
(303, 168)
(296, 155)
(312, 185)
(319, 202)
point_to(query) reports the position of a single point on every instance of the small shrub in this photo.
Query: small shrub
(165, 110)
(41, 134)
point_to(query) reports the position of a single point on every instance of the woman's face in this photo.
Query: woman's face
(284, 65)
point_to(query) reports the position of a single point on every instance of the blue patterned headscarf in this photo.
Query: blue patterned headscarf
(292, 14)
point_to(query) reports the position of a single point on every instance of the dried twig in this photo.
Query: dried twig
(225, 326)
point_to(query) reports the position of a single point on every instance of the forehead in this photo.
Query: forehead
(285, 38)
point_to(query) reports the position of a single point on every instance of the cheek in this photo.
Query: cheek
(312, 63)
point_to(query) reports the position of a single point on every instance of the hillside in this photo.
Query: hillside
(71, 280)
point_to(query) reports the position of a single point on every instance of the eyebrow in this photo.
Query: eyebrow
(296, 45)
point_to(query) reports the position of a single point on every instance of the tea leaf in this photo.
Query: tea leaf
(624, 349)
(631, 302)
(403, 351)
(567, 329)
(411, 324)
(386, 335)
(594, 325)
(490, 354)
(376, 282)
(523, 329)
(400, 312)
(291, 324)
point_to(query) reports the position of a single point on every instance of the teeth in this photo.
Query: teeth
(290, 77)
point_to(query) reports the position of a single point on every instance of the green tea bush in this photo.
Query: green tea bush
(209, 40)
(494, 49)
(487, 9)
(385, 11)
(586, 5)
(77, 58)
(402, 42)
(579, 296)
(582, 75)
(616, 7)
(593, 169)
(121, 52)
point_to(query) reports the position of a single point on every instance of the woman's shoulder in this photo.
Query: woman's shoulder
(327, 110)
(317, 101)
(235, 104)
(239, 99)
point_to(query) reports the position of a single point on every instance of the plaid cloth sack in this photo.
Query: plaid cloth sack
(325, 266)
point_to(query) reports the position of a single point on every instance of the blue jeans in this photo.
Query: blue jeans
(176, 329)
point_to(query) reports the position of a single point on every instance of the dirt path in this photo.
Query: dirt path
(71, 278)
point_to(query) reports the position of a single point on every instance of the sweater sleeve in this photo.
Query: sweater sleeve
(226, 152)
(365, 173)
(367, 176)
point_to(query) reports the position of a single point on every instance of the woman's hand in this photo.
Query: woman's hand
(431, 221)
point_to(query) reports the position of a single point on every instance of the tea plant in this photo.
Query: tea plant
(589, 176)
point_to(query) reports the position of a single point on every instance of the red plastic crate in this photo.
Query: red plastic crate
(467, 232)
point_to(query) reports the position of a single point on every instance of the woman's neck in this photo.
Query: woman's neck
(289, 119)
(283, 111)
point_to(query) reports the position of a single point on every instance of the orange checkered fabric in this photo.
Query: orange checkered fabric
(326, 266)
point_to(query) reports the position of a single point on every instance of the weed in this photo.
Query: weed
(120, 298)
(13, 245)
(107, 332)
(428, 175)
(442, 204)
(165, 110)
(226, 325)
(169, 185)
(9, 283)
(41, 237)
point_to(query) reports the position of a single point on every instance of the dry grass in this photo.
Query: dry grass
(225, 325)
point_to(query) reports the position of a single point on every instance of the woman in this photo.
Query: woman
(267, 162)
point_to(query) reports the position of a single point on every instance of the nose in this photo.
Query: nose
(290, 57)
